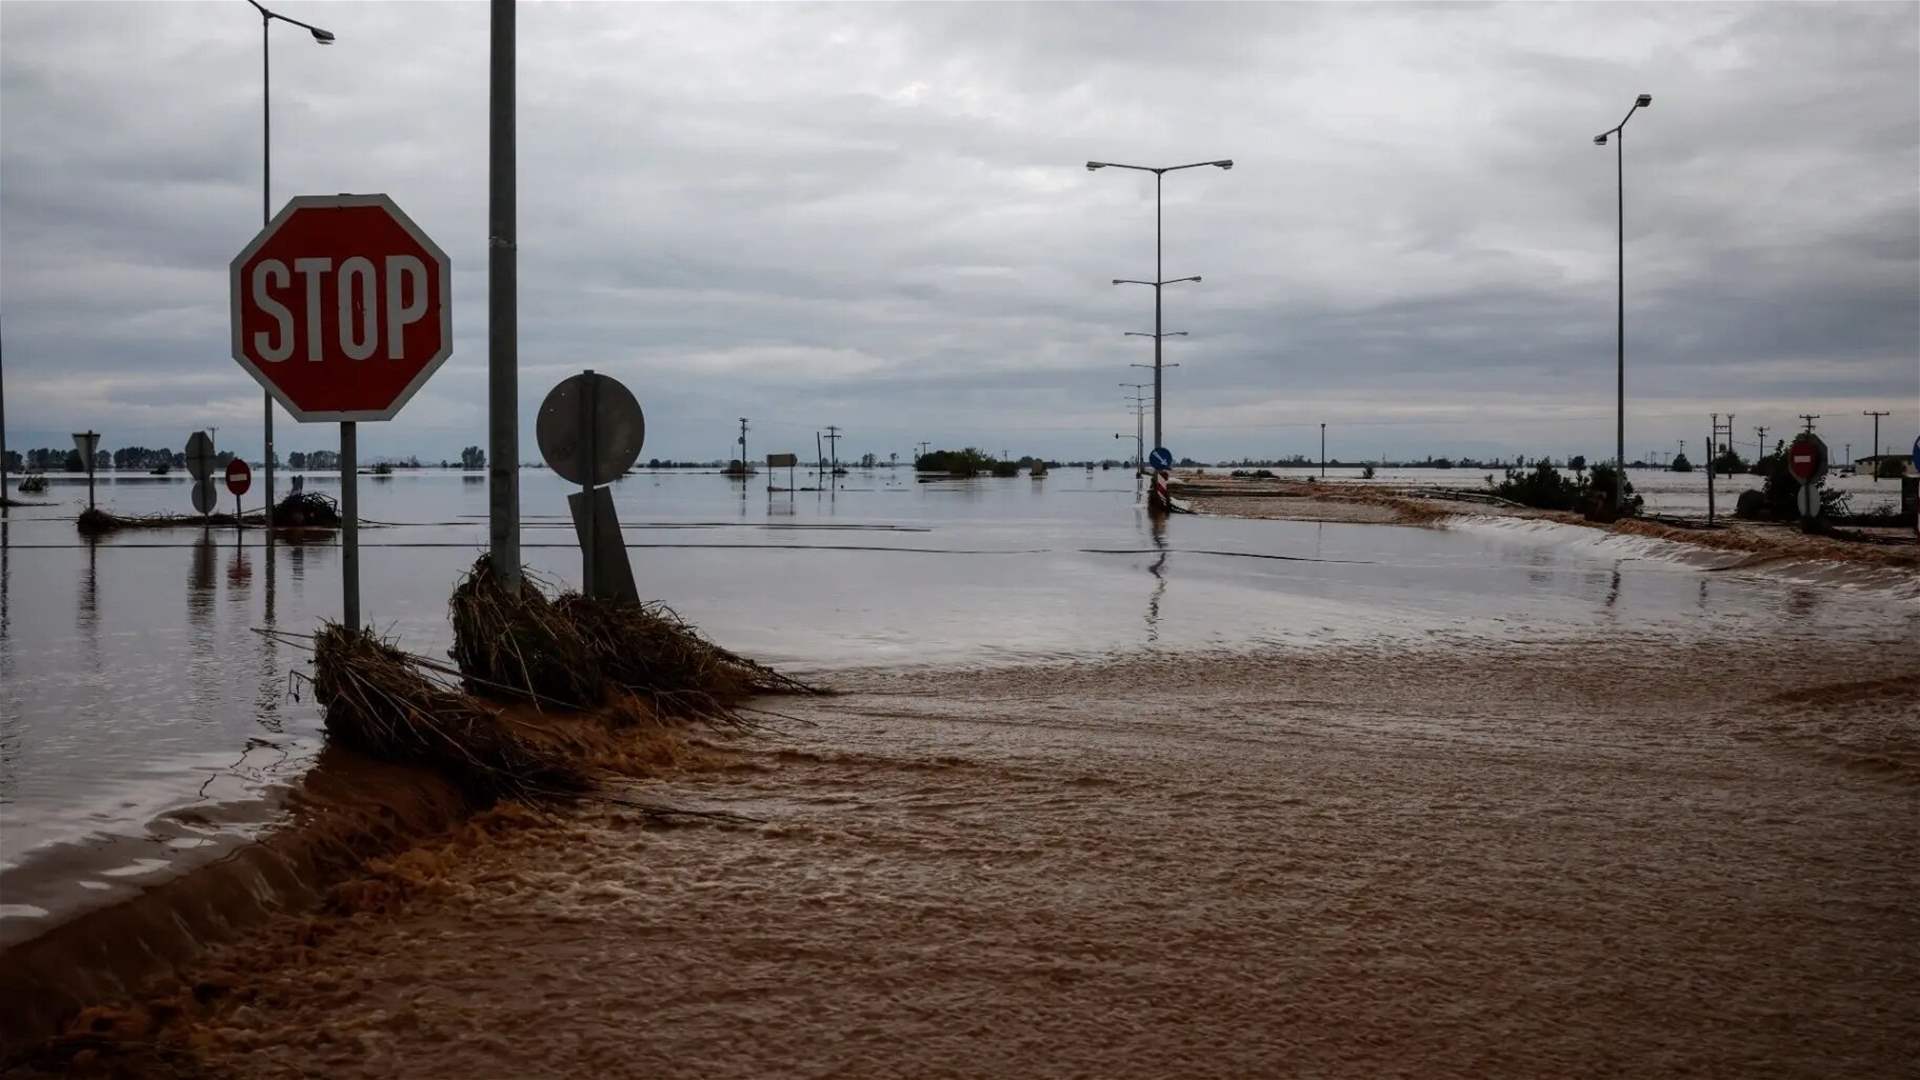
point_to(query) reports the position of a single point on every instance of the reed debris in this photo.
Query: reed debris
(383, 703)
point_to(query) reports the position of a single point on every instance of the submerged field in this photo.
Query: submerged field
(1224, 797)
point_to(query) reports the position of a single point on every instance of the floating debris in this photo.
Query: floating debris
(575, 651)
(382, 702)
(306, 510)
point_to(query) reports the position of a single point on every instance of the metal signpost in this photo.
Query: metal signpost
(87, 443)
(342, 308)
(782, 461)
(200, 467)
(591, 429)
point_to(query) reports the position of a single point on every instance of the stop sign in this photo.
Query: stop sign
(1807, 457)
(341, 307)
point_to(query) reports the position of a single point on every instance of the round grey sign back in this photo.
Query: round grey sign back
(619, 429)
(204, 496)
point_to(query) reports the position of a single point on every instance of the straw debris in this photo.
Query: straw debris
(579, 651)
(517, 642)
(306, 510)
(379, 701)
(649, 651)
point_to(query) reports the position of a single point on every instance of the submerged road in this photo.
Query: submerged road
(1619, 857)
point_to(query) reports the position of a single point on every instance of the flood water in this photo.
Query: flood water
(144, 722)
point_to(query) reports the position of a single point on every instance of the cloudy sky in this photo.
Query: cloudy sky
(878, 217)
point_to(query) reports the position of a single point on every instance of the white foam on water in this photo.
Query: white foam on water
(1886, 583)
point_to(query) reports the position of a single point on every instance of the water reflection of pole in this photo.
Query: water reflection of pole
(1158, 528)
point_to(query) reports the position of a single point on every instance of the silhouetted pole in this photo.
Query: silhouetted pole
(350, 524)
(503, 322)
(3, 438)
(1159, 274)
(1875, 469)
(1323, 451)
(1620, 414)
(320, 37)
(743, 452)
(1761, 431)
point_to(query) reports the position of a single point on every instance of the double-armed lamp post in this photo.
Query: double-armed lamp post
(1159, 281)
(320, 37)
(1619, 132)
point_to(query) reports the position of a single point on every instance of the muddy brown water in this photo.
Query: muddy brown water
(1618, 857)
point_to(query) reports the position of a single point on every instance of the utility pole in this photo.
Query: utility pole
(743, 448)
(923, 450)
(1139, 404)
(3, 440)
(1761, 431)
(833, 437)
(1809, 418)
(1875, 469)
(1323, 450)
(503, 308)
(1159, 275)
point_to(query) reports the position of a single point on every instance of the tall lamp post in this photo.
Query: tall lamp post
(1619, 132)
(320, 37)
(1158, 279)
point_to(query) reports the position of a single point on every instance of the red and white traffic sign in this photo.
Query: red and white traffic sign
(1807, 457)
(342, 307)
(239, 477)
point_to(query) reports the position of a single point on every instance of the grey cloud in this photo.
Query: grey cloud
(875, 215)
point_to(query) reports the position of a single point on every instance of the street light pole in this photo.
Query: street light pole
(320, 37)
(1620, 338)
(1159, 278)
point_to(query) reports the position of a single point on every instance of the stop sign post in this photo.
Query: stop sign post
(342, 308)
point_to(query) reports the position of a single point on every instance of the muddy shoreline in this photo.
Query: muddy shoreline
(1309, 500)
(1442, 862)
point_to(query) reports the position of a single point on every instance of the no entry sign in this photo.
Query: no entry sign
(1807, 457)
(239, 477)
(341, 307)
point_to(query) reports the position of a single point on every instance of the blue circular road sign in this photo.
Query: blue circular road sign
(1161, 458)
(1916, 451)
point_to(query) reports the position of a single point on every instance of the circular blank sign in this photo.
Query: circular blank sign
(619, 428)
(203, 496)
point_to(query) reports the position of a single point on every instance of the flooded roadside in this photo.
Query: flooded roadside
(1081, 755)
(1518, 861)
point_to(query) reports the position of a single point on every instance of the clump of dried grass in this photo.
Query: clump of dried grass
(649, 651)
(578, 651)
(379, 701)
(516, 642)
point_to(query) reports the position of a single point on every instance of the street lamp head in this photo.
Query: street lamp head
(1599, 140)
(1093, 166)
(1643, 100)
(321, 37)
(1226, 163)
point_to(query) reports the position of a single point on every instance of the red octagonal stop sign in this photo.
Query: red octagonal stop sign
(342, 307)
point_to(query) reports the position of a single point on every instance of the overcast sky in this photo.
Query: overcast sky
(879, 217)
